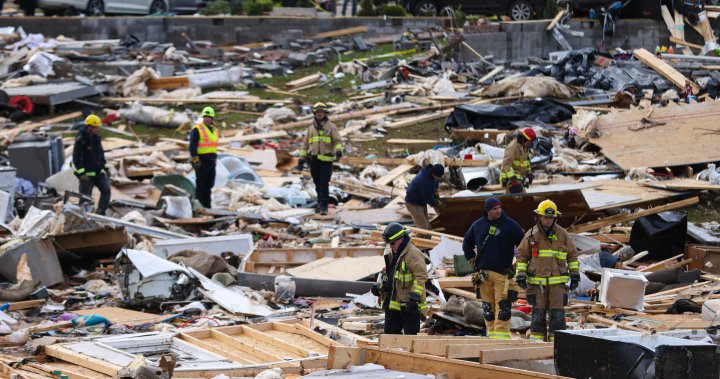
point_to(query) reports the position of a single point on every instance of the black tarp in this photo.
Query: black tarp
(662, 235)
(491, 116)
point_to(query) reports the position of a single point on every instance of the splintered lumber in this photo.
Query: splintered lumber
(408, 141)
(522, 353)
(256, 136)
(168, 83)
(684, 43)
(389, 109)
(491, 74)
(466, 347)
(455, 282)
(393, 174)
(664, 69)
(28, 304)
(418, 119)
(341, 357)
(473, 134)
(22, 128)
(341, 32)
(121, 153)
(555, 20)
(433, 233)
(617, 219)
(355, 161)
(465, 351)
(667, 264)
(608, 322)
(229, 100)
(304, 81)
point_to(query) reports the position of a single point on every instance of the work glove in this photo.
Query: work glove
(440, 204)
(338, 155)
(195, 162)
(301, 164)
(574, 281)
(376, 289)
(413, 301)
(521, 280)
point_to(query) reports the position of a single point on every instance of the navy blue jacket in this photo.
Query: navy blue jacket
(499, 250)
(421, 190)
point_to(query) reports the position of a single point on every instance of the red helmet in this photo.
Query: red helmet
(529, 133)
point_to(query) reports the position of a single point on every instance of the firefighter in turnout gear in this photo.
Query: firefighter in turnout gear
(547, 259)
(89, 162)
(203, 152)
(322, 147)
(403, 292)
(515, 173)
(489, 245)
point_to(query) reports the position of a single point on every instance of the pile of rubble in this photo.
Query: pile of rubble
(261, 284)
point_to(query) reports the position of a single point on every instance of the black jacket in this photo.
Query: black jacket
(421, 190)
(499, 249)
(88, 154)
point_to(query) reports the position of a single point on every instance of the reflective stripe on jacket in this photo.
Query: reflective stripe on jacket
(208, 142)
(323, 142)
(410, 276)
(551, 260)
(516, 162)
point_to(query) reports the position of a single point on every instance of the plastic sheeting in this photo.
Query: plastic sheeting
(154, 116)
(490, 116)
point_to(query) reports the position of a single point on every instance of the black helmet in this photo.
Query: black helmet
(393, 232)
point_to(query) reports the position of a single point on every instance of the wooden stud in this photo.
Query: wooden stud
(525, 353)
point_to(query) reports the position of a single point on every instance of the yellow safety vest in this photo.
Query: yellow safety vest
(208, 142)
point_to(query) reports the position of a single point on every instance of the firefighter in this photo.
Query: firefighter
(322, 147)
(489, 245)
(89, 162)
(546, 260)
(403, 291)
(515, 173)
(203, 150)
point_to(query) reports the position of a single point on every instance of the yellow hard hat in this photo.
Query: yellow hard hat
(547, 208)
(320, 107)
(208, 111)
(93, 120)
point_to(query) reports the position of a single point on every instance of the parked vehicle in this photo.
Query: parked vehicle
(518, 10)
(102, 7)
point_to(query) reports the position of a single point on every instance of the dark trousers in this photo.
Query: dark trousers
(321, 173)
(204, 181)
(402, 322)
(102, 182)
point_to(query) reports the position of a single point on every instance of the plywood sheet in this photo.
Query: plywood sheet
(684, 138)
(123, 316)
(371, 216)
(615, 193)
(339, 268)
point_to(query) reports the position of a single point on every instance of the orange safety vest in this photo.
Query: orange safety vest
(208, 142)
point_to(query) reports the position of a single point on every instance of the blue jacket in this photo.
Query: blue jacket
(500, 238)
(421, 190)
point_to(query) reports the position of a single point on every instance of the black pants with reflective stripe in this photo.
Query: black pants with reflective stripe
(102, 182)
(204, 180)
(402, 322)
(321, 173)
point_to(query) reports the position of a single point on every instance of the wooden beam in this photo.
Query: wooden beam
(242, 359)
(555, 20)
(390, 109)
(481, 134)
(255, 137)
(304, 81)
(424, 364)
(433, 233)
(684, 43)
(410, 141)
(605, 321)
(65, 354)
(341, 32)
(399, 341)
(419, 119)
(525, 353)
(607, 221)
(664, 69)
(168, 83)
(28, 304)
(462, 293)
(388, 178)
(455, 282)
(466, 351)
(122, 153)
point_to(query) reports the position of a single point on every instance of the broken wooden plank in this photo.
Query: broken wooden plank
(555, 20)
(28, 304)
(340, 32)
(664, 69)
(605, 321)
(341, 357)
(616, 219)
(456, 282)
(230, 100)
(418, 119)
(388, 178)
(409, 141)
(304, 81)
(684, 43)
(475, 134)
(462, 293)
(405, 342)
(171, 82)
(524, 353)
(356, 161)
(255, 136)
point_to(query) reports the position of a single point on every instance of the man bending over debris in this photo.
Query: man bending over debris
(322, 146)
(494, 238)
(203, 152)
(423, 191)
(547, 259)
(403, 292)
(89, 162)
(515, 173)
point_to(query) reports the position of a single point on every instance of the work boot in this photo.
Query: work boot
(538, 327)
(323, 212)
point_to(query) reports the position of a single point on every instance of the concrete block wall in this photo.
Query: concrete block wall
(220, 30)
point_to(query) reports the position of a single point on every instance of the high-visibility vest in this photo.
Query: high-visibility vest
(208, 142)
